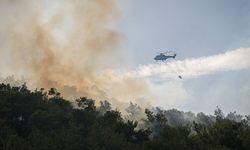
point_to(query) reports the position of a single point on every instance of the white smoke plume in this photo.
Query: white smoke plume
(193, 67)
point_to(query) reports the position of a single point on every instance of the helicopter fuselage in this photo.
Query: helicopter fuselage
(163, 57)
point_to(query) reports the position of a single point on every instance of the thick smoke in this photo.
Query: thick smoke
(68, 45)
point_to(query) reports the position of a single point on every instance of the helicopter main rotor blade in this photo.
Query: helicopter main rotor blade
(165, 52)
(168, 52)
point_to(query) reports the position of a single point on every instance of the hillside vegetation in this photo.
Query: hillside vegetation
(43, 120)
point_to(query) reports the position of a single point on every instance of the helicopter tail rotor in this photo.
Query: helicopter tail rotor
(175, 54)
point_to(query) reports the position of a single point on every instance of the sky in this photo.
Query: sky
(104, 49)
(193, 29)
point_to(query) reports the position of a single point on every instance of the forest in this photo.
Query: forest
(44, 120)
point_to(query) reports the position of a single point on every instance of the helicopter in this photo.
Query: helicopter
(163, 56)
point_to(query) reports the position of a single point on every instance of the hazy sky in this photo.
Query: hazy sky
(192, 28)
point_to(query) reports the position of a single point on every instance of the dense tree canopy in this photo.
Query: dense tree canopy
(43, 120)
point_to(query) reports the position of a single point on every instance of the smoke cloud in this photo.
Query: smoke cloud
(68, 45)
(194, 67)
